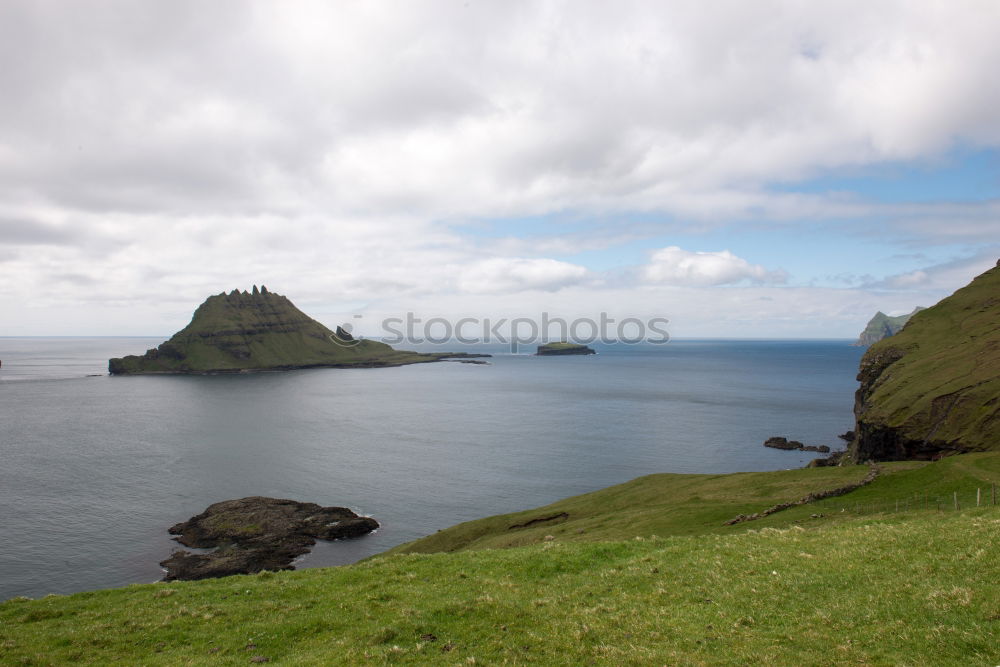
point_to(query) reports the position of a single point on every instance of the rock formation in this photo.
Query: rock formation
(256, 533)
(777, 442)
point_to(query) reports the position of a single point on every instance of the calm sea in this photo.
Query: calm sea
(93, 470)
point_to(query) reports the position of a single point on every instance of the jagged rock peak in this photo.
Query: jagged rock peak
(255, 291)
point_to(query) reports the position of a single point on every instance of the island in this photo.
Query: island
(562, 349)
(259, 330)
(253, 534)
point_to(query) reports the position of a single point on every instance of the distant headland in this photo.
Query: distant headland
(882, 326)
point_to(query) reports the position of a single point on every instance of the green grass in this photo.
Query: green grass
(663, 504)
(913, 590)
(654, 578)
(667, 504)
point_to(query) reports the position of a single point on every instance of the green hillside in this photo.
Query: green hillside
(935, 386)
(243, 331)
(670, 504)
(909, 587)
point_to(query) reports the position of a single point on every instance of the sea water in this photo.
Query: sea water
(94, 469)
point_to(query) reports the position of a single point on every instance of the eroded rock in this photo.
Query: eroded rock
(256, 533)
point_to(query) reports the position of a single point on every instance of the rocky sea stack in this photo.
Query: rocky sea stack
(934, 387)
(254, 534)
(261, 330)
(562, 349)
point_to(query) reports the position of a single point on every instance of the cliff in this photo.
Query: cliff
(934, 387)
(882, 326)
(244, 331)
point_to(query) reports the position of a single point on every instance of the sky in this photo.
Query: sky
(746, 170)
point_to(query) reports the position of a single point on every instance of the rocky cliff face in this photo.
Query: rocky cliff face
(934, 387)
(882, 326)
(259, 330)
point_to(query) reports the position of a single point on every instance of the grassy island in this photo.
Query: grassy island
(562, 348)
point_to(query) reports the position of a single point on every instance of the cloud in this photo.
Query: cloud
(675, 266)
(19, 231)
(503, 274)
(944, 276)
(451, 109)
(344, 152)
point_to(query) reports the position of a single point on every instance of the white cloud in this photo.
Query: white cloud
(512, 274)
(944, 276)
(676, 266)
(157, 152)
(454, 109)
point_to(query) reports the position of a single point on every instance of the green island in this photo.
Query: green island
(895, 566)
(562, 349)
(259, 331)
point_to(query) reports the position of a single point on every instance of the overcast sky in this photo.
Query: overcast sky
(757, 169)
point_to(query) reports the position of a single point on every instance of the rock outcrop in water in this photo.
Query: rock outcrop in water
(261, 330)
(778, 442)
(882, 326)
(562, 349)
(934, 387)
(256, 533)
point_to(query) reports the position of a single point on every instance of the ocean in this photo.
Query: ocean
(94, 469)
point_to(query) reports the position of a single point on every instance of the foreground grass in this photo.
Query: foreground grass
(913, 590)
(817, 584)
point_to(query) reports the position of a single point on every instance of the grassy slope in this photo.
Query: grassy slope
(909, 590)
(663, 504)
(667, 504)
(269, 332)
(904, 588)
(949, 351)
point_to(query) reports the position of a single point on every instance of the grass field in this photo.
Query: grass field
(906, 588)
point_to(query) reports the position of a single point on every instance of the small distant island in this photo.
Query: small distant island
(259, 330)
(562, 349)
